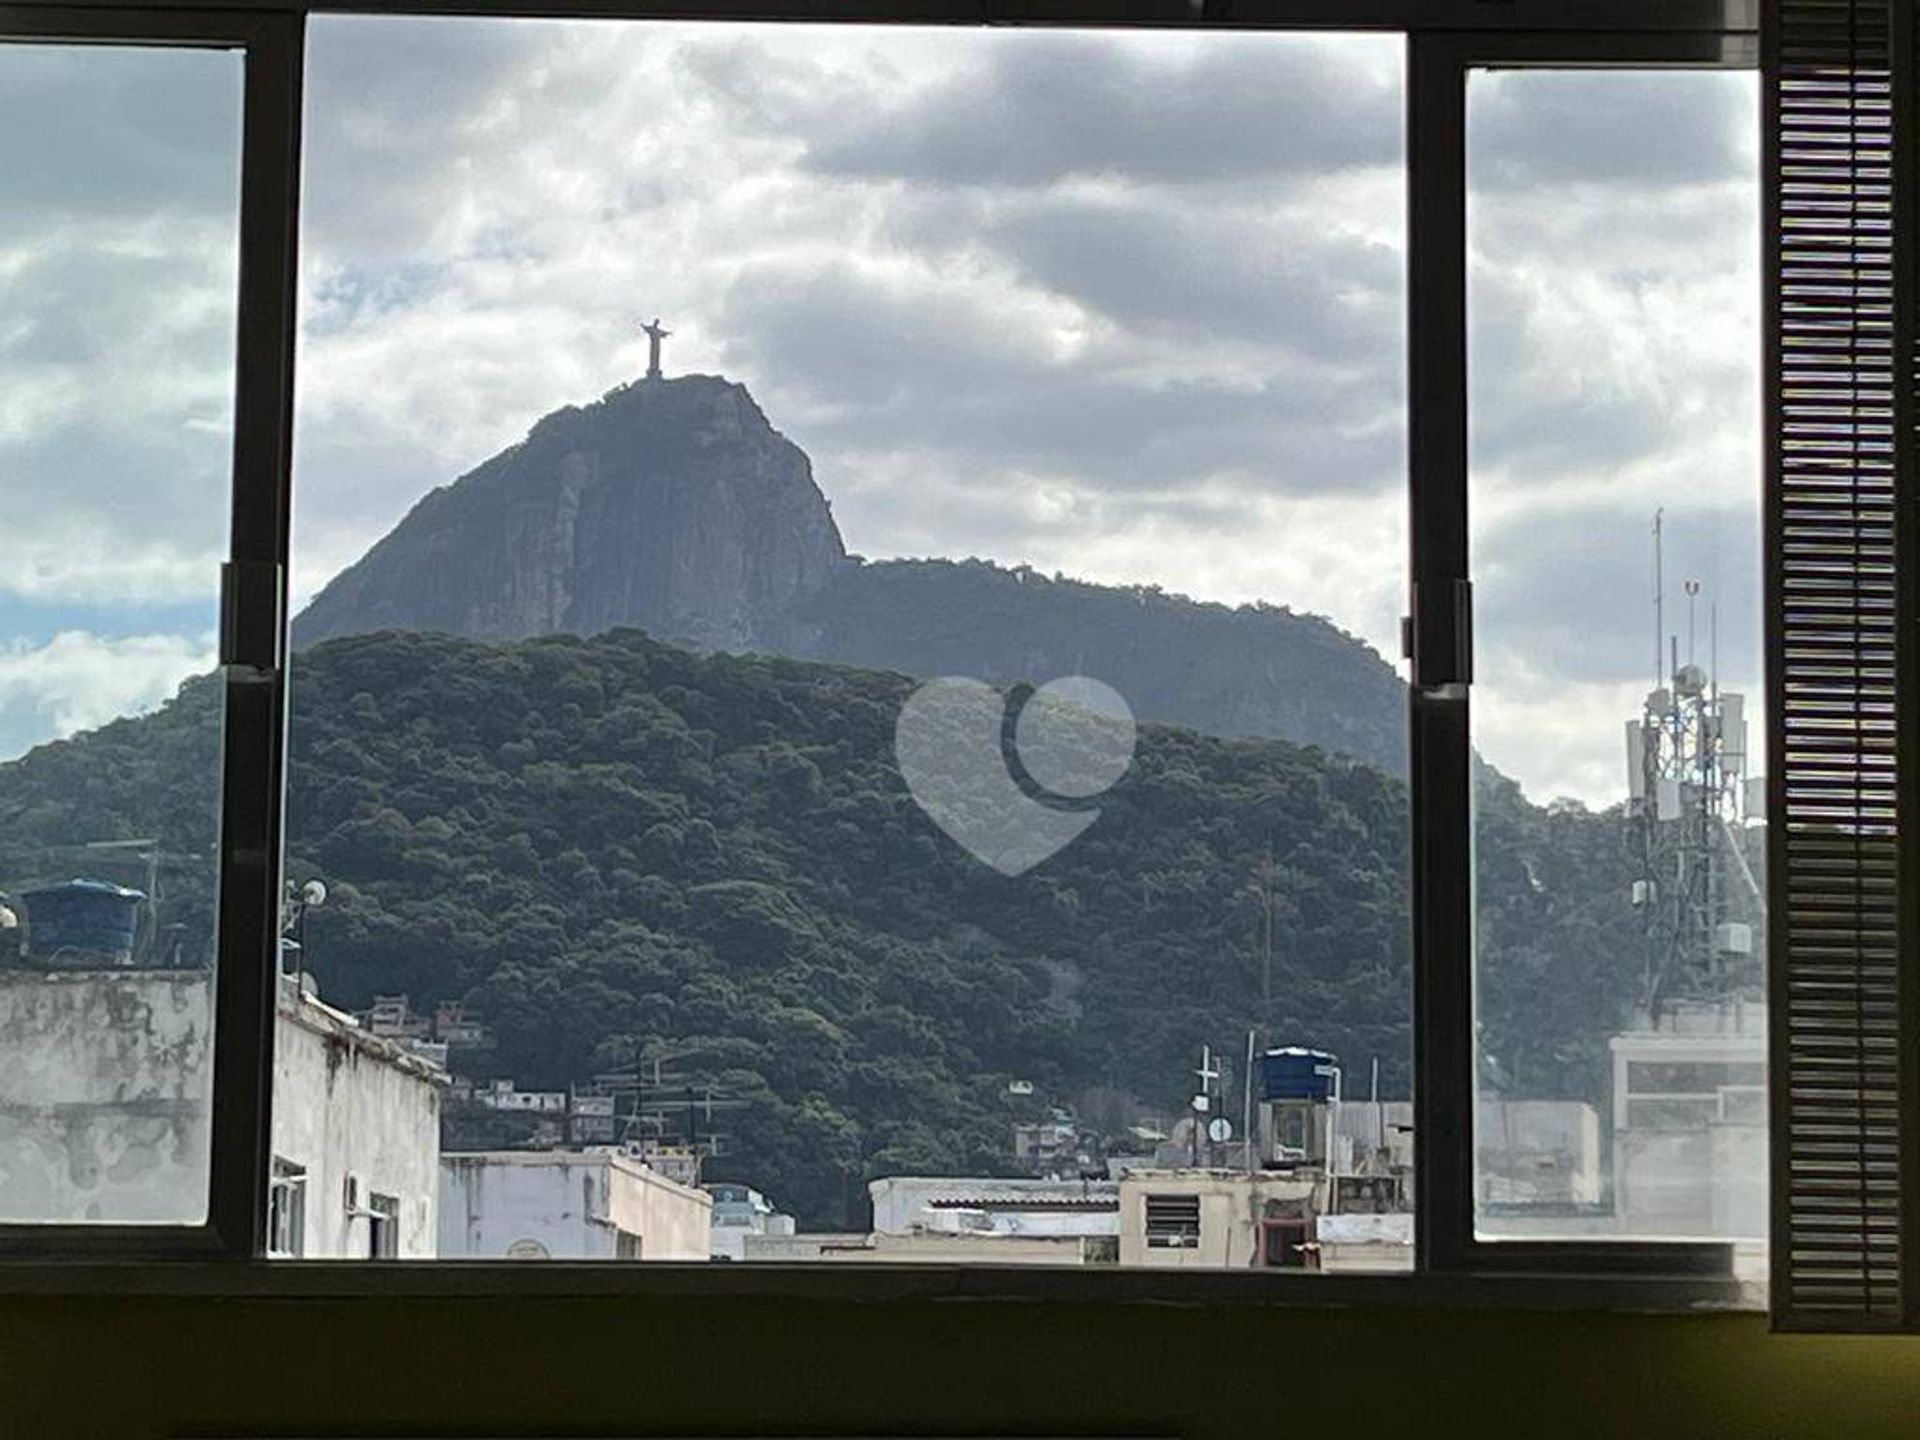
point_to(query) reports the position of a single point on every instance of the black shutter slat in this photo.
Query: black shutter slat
(1839, 458)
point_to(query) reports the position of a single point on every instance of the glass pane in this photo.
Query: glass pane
(119, 193)
(1043, 371)
(1620, 826)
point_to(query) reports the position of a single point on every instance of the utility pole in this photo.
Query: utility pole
(1246, 1109)
(1262, 891)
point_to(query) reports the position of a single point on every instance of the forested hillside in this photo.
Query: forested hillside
(611, 847)
(1227, 670)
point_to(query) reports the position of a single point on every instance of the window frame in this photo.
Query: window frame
(252, 634)
(1440, 635)
(1444, 38)
(287, 1211)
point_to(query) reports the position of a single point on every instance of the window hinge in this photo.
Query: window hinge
(1440, 642)
(252, 632)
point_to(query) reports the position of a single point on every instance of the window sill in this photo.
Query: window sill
(856, 1283)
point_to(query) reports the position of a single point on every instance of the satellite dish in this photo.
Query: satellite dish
(313, 894)
(1219, 1130)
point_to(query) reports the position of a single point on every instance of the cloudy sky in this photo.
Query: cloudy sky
(1128, 307)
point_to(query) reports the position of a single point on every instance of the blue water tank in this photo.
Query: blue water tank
(1294, 1072)
(81, 924)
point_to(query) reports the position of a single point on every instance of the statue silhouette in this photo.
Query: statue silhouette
(655, 334)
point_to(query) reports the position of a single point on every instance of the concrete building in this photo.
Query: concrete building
(568, 1205)
(1542, 1154)
(590, 1119)
(104, 1111)
(740, 1212)
(1690, 1123)
(1047, 1146)
(501, 1095)
(356, 1139)
(1151, 1217)
(927, 1248)
(1363, 1243)
(951, 1205)
(1213, 1219)
(807, 1247)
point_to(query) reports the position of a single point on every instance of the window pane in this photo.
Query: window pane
(119, 176)
(1616, 555)
(1056, 364)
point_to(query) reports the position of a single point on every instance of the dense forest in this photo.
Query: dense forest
(613, 848)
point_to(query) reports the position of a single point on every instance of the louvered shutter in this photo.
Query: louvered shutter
(1839, 477)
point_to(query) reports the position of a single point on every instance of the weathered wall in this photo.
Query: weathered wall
(491, 1202)
(104, 1098)
(673, 1221)
(104, 1086)
(344, 1105)
(1229, 1224)
(569, 1205)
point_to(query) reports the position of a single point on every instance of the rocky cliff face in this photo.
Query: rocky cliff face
(670, 504)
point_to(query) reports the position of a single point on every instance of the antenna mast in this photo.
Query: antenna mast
(1686, 773)
(1659, 600)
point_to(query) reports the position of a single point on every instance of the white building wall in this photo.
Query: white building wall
(1706, 1179)
(535, 1207)
(105, 1081)
(349, 1104)
(105, 1096)
(1740, 1201)
(565, 1206)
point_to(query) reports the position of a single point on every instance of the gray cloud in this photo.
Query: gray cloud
(1041, 107)
(1626, 129)
(110, 133)
(393, 103)
(1571, 588)
(1199, 275)
(908, 367)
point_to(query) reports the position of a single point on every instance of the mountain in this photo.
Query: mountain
(669, 504)
(673, 505)
(613, 847)
(1253, 670)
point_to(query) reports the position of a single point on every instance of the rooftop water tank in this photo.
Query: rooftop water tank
(82, 924)
(1294, 1072)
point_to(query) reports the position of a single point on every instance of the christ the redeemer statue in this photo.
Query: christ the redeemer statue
(654, 336)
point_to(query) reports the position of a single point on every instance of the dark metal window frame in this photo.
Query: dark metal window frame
(252, 621)
(1441, 636)
(1445, 39)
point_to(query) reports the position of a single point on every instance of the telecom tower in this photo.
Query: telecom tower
(1689, 801)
